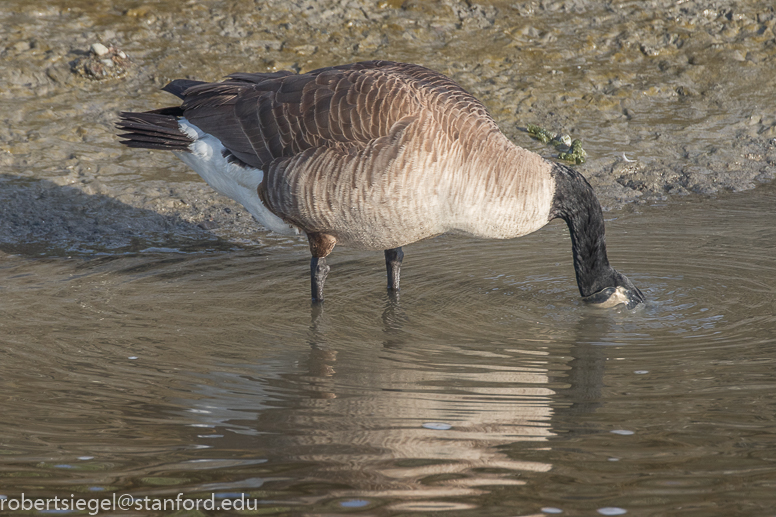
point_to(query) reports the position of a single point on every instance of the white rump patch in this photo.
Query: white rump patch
(232, 180)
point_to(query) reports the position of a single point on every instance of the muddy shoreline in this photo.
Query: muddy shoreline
(669, 99)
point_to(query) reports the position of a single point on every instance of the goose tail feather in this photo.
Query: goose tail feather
(153, 130)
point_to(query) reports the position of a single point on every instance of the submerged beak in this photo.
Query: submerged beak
(613, 296)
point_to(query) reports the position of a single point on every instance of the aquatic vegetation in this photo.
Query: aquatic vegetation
(568, 151)
(576, 154)
(539, 133)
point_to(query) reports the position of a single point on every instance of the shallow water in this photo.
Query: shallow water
(488, 388)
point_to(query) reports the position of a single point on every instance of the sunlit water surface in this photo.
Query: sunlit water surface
(488, 388)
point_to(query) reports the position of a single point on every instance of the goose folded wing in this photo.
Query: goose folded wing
(344, 108)
(261, 118)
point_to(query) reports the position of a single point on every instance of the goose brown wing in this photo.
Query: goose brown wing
(264, 117)
(341, 107)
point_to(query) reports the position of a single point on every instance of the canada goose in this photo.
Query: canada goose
(375, 155)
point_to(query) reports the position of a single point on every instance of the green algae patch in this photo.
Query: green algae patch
(575, 154)
(539, 133)
(567, 150)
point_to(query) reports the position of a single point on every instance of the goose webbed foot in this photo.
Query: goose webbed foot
(393, 258)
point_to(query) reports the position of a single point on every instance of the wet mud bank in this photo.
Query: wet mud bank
(669, 98)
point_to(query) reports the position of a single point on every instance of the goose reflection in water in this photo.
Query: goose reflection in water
(414, 424)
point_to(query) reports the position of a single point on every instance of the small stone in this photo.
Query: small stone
(208, 225)
(102, 63)
(98, 49)
(437, 426)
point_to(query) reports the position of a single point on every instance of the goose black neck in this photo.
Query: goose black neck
(576, 203)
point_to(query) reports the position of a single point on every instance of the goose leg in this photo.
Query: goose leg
(319, 270)
(321, 245)
(393, 258)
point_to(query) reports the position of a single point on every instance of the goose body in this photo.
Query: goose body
(373, 155)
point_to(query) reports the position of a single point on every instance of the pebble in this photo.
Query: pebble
(437, 426)
(98, 49)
